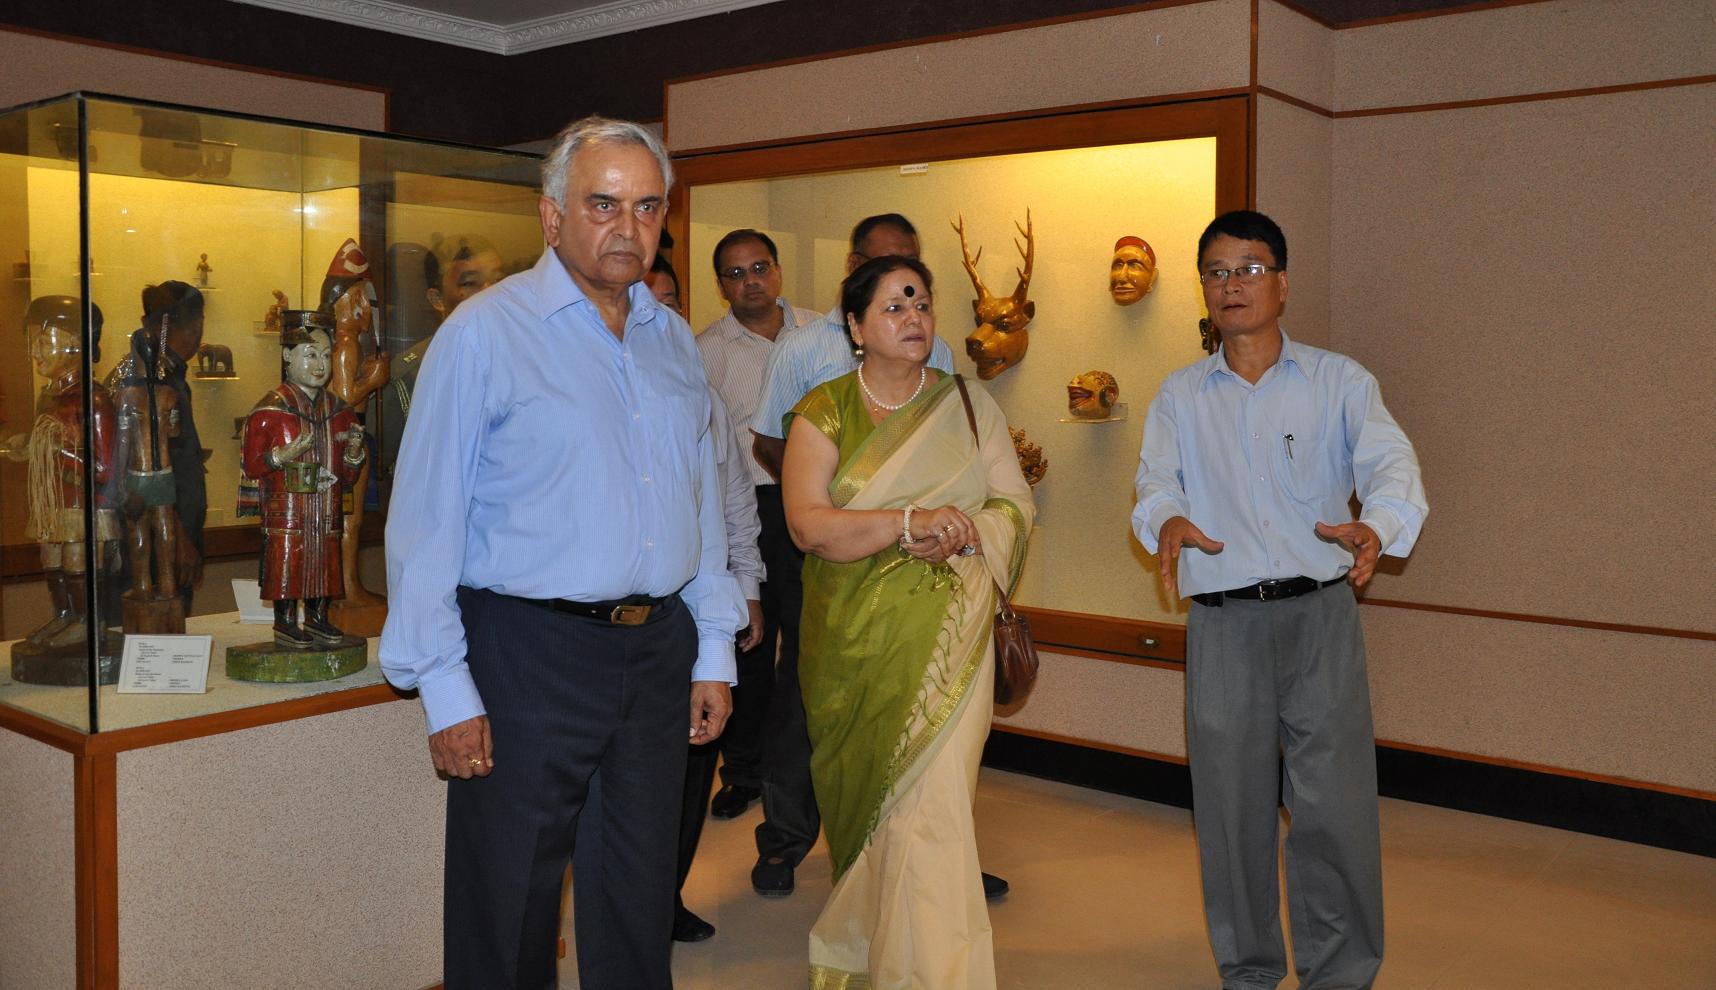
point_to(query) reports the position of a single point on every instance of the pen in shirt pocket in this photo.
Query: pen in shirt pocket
(1287, 441)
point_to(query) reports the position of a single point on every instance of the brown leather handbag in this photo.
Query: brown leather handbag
(1015, 650)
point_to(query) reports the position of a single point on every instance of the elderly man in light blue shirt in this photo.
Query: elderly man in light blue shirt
(1249, 460)
(557, 564)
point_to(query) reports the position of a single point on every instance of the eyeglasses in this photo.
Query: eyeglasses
(737, 272)
(1246, 274)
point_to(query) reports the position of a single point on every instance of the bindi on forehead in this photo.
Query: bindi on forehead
(911, 290)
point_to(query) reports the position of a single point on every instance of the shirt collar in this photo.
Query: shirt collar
(729, 325)
(1216, 364)
(555, 291)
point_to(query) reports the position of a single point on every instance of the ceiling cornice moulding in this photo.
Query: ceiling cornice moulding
(614, 17)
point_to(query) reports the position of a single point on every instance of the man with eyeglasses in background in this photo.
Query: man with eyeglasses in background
(1250, 458)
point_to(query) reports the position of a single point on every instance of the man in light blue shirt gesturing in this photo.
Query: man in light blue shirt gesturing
(1250, 457)
(557, 564)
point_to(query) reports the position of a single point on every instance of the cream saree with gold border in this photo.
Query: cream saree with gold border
(896, 662)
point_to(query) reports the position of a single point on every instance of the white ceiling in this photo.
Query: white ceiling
(506, 27)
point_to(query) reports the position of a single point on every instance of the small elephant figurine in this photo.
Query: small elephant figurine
(215, 361)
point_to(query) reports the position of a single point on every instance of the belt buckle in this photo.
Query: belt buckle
(1267, 591)
(629, 615)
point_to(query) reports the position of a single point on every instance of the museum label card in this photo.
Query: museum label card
(164, 665)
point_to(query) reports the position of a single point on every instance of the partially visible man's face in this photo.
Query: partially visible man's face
(880, 243)
(307, 364)
(608, 232)
(750, 294)
(1237, 309)
(662, 288)
(464, 278)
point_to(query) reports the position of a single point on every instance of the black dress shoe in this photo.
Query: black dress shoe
(688, 927)
(772, 877)
(732, 800)
(994, 888)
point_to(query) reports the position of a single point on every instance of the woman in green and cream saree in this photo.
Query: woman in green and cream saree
(908, 524)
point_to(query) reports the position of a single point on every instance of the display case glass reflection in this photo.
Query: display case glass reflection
(1080, 202)
(149, 256)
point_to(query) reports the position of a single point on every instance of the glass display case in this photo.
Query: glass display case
(210, 326)
(1104, 237)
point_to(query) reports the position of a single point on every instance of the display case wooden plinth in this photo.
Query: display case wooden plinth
(274, 664)
(66, 666)
(165, 616)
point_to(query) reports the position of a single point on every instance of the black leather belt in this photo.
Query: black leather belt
(633, 610)
(1267, 591)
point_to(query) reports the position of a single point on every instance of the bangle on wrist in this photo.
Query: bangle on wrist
(906, 526)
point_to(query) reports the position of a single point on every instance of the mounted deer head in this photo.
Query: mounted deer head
(1000, 340)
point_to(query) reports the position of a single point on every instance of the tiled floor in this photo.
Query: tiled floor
(1105, 895)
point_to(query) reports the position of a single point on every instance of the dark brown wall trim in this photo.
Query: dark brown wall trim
(1559, 94)
(1418, 15)
(1600, 778)
(1649, 815)
(1551, 620)
(1276, 94)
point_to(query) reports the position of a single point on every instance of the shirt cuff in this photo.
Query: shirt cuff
(750, 586)
(1387, 525)
(715, 660)
(450, 699)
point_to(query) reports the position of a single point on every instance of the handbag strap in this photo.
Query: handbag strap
(971, 420)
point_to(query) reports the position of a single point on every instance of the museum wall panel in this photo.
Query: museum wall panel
(1588, 700)
(1511, 289)
(1528, 48)
(246, 853)
(38, 862)
(1189, 48)
(38, 68)
(1295, 55)
(1119, 705)
(1295, 169)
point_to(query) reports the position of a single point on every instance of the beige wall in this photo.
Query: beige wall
(38, 68)
(1514, 275)
(1185, 49)
(304, 854)
(38, 863)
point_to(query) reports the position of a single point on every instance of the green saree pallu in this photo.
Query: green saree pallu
(891, 647)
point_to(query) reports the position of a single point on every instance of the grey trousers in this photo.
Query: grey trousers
(1271, 684)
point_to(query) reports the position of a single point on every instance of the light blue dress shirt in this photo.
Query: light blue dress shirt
(1258, 466)
(808, 356)
(544, 458)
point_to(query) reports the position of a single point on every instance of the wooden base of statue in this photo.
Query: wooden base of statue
(67, 666)
(277, 664)
(358, 618)
(161, 616)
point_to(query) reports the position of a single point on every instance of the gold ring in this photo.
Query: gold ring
(476, 763)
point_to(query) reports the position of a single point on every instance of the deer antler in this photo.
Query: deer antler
(970, 260)
(1029, 251)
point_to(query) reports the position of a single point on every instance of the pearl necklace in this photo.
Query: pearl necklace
(923, 376)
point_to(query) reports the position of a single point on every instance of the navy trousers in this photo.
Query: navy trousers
(589, 724)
